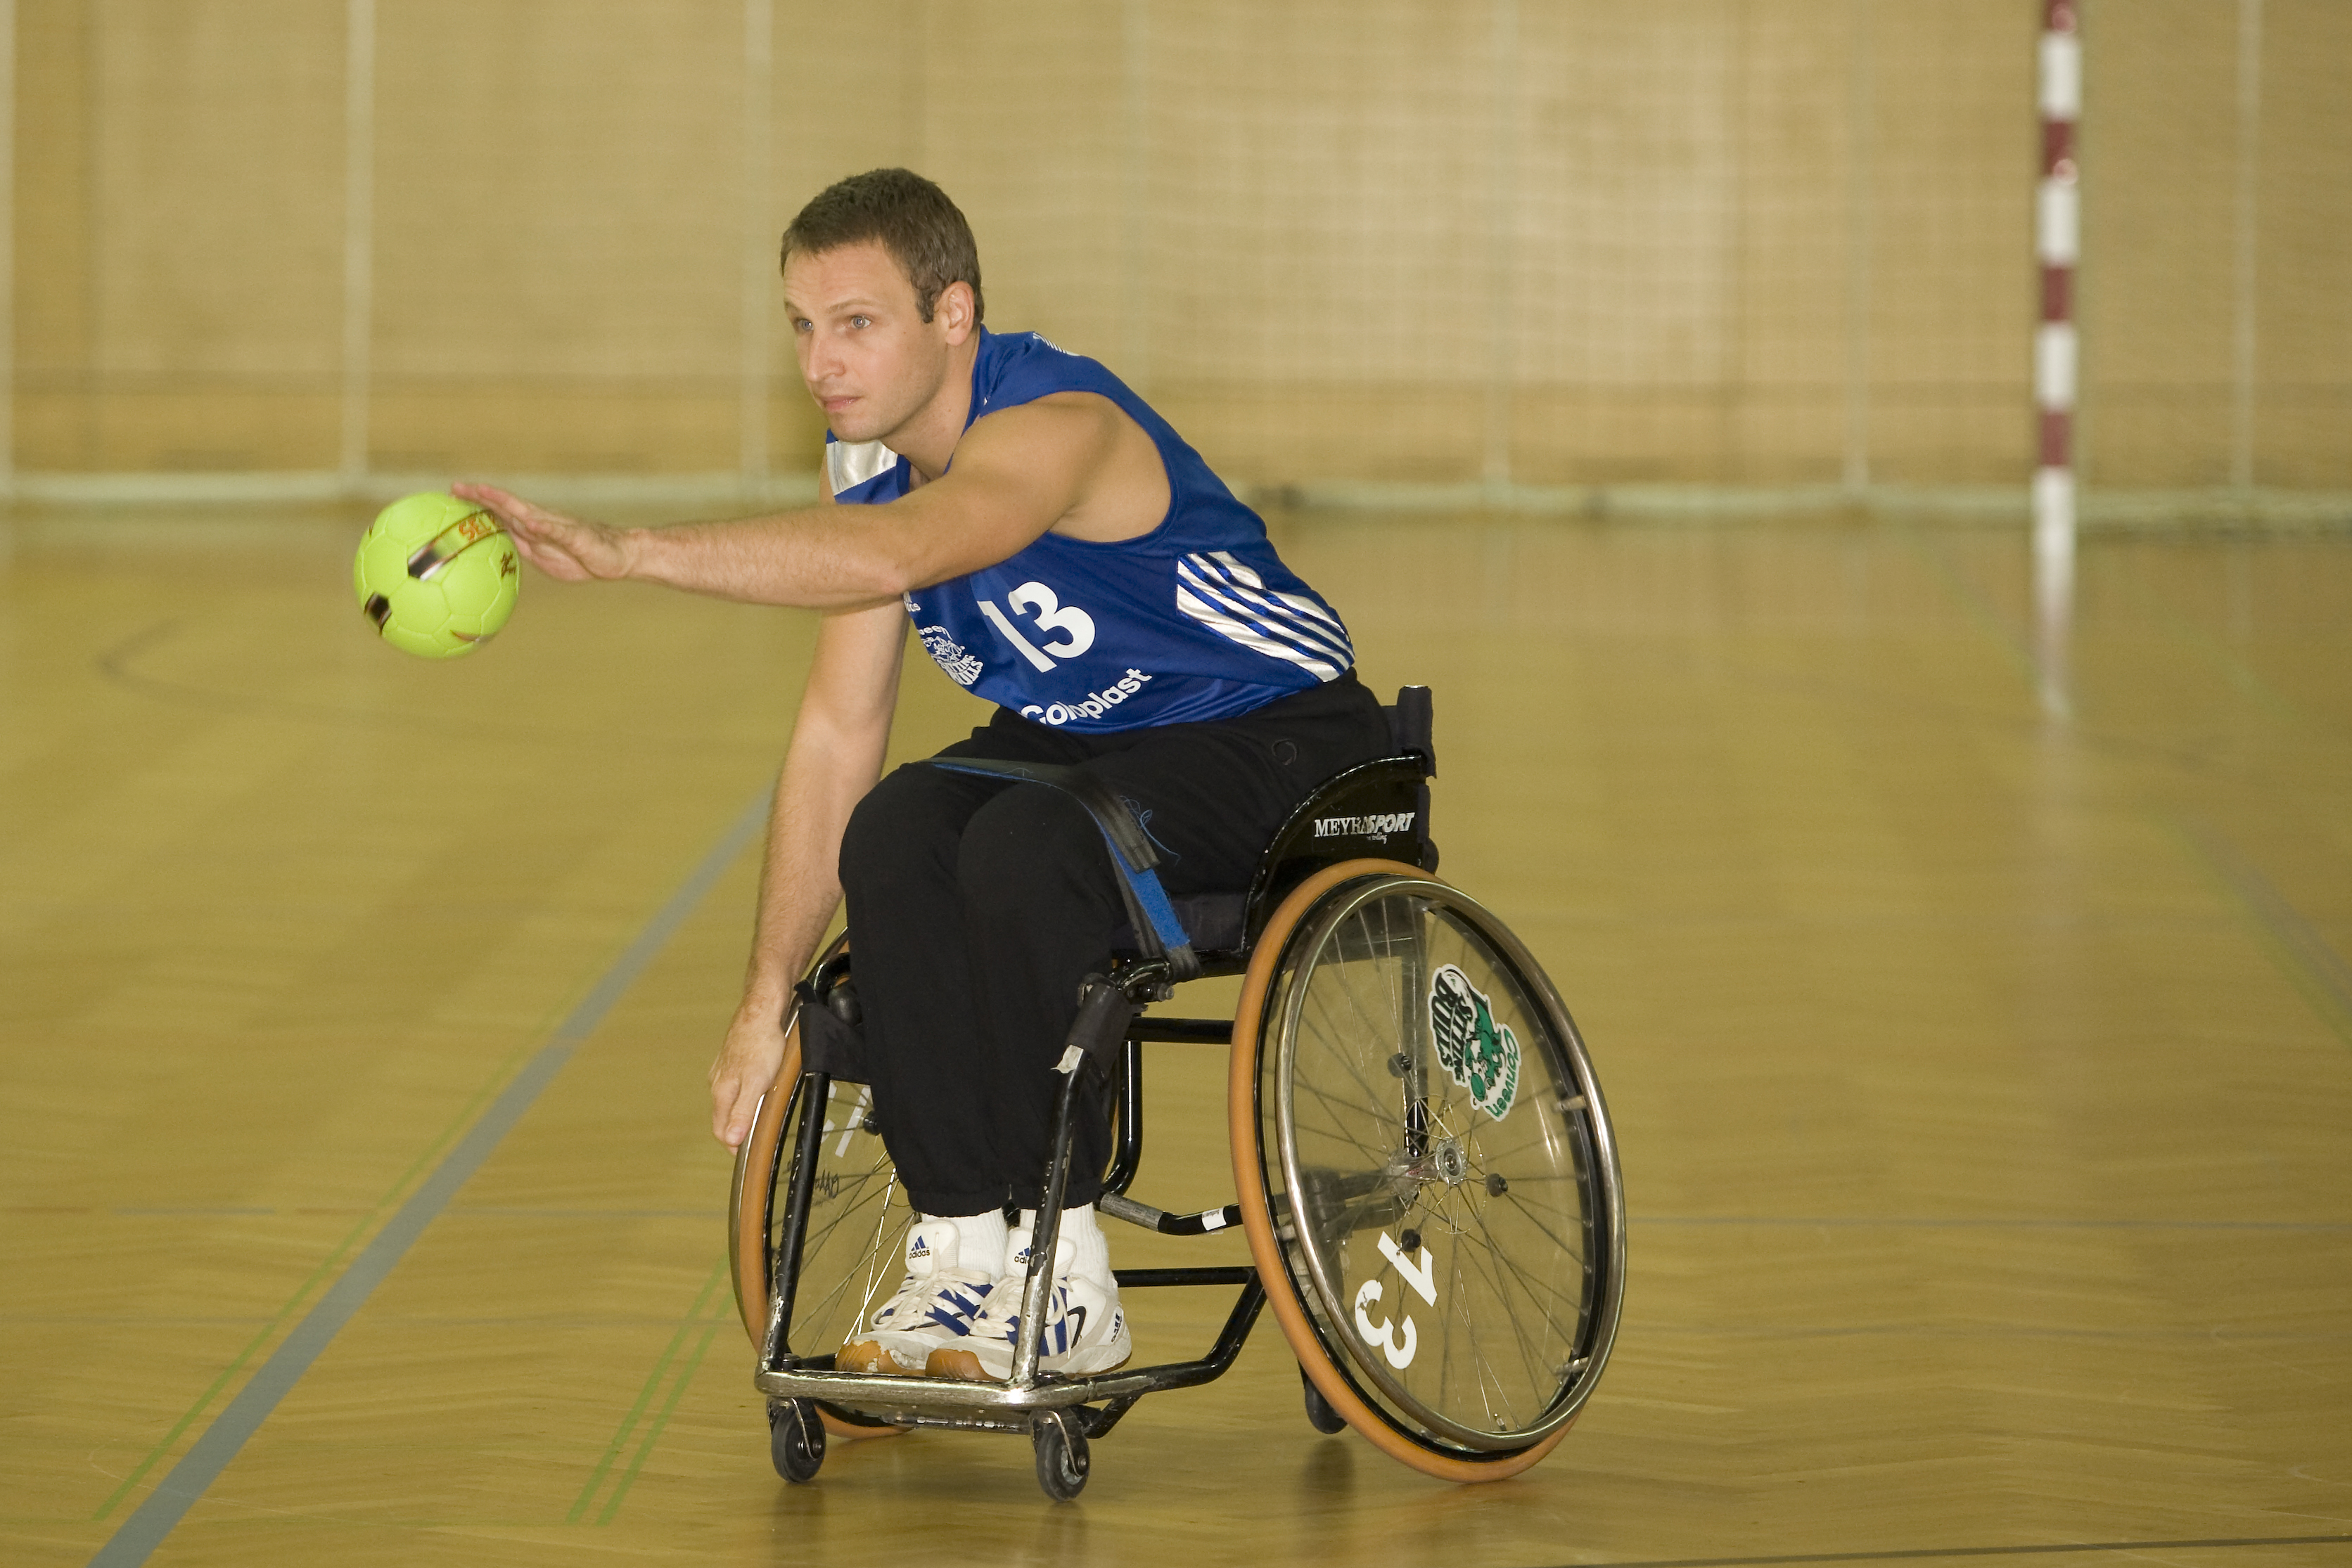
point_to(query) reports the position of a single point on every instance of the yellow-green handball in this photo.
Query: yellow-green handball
(436, 575)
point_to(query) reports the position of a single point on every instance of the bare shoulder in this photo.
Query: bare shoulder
(1071, 423)
(1117, 484)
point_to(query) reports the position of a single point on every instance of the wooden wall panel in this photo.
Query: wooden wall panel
(1590, 241)
(2159, 162)
(559, 191)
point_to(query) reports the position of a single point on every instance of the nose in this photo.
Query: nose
(821, 358)
(805, 347)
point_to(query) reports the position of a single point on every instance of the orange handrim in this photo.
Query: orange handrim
(755, 1180)
(1257, 1217)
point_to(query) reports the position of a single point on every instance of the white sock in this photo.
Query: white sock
(979, 1241)
(1090, 1248)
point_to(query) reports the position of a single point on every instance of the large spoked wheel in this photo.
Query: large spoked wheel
(1426, 1171)
(854, 1248)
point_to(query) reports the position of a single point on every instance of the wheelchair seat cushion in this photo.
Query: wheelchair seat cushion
(1215, 921)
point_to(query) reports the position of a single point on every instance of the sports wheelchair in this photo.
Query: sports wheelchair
(1424, 1168)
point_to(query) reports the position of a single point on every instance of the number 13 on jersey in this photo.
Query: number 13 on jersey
(1077, 627)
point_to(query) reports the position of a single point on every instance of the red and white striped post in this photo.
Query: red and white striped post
(2057, 233)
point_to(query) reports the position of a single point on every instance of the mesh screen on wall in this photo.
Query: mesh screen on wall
(1712, 243)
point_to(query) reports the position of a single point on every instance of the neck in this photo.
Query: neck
(928, 439)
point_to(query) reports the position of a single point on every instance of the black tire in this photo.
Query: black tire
(1319, 1413)
(1062, 1459)
(796, 1439)
(1427, 1173)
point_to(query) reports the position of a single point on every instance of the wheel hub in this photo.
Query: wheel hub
(1448, 1160)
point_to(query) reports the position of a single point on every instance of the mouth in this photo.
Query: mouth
(836, 404)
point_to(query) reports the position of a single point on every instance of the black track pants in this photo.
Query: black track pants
(976, 907)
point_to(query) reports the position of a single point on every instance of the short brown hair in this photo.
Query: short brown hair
(912, 219)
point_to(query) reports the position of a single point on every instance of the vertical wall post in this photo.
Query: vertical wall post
(1135, 215)
(1860, 236)
(358, 239)
(1502, 217)
(760, 239)
(7, 248)
(2241, 345)
(2057, 241)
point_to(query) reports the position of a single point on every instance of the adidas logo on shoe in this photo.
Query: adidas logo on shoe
(935, 1305)
(1085, 1328)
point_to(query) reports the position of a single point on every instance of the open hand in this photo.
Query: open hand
(746, 1069)
(565, 547)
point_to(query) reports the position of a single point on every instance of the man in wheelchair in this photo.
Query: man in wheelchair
(1060, 551)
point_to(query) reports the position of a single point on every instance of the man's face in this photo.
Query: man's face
(870, 359)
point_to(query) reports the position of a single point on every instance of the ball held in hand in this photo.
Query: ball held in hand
(435, 575)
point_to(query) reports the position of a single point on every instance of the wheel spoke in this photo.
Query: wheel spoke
(1516, 1285)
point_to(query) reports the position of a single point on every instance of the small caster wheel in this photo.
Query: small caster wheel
(1319, 1413)
(1062, 1460)
(796, 1439)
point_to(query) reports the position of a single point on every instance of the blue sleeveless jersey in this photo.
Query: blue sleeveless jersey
(1196, 620)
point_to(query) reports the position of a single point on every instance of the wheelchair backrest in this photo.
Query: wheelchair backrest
(1375, 811)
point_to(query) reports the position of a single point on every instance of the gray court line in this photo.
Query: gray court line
(155, 1516)
(1923, 1553)
(2311, 961)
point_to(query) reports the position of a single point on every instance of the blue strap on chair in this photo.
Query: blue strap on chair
(1156, 928)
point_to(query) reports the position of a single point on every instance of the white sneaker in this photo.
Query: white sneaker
(1085, 1330)
(936, 1304)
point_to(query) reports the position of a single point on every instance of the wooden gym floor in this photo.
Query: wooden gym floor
(1983, 1071)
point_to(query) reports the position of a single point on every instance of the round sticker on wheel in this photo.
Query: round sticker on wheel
(1478, 1053)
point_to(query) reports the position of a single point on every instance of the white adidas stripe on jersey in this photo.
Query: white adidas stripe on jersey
(1237, 606)
(1236, 623)
(1242, 572)
(1313, 636)
(1233, 630)
(1300, 614)
(1206, 604)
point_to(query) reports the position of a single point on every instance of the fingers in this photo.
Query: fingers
(555, 544)
(745, 1068)
(520, 516)
(509, 508)
(727, 1124)
(735, 1105)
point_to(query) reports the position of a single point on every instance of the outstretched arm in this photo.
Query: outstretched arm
(837, 745)
(1016, 474)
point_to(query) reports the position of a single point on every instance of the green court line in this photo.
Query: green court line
(463, 1118)
(2237, 671)
(2220, 655)
(653, 1434)
(1978, 607)
(645, 1396)
(2309, 962)
(401, 1184)
(169, 1500)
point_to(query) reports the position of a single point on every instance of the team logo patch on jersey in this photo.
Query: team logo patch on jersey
(948, 655)
(1476, 1053)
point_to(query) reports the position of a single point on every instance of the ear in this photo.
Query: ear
(954, 313)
